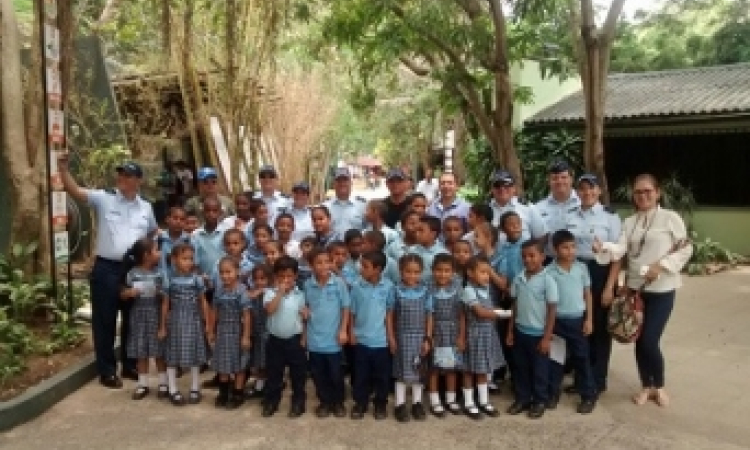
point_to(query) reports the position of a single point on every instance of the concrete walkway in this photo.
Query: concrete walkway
(707, 347)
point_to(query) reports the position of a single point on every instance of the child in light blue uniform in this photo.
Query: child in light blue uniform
(208, 240)
(428, 244)
(530, 332)
(374, 241)
(574, 320)
(328, 300)
(173, 235)
(372, 296)
(234, 248)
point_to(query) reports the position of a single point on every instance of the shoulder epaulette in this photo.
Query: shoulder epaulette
(111, 191)
(609, 209)
(573, 209)
(360, 198)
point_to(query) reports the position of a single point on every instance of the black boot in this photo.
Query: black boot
(236, 399)
(223, 398)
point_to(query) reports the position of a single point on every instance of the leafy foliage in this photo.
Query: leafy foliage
(708, 253)
(20, 292)
(674, 195)
(538, 150)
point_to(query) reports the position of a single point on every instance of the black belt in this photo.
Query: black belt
(101, 259)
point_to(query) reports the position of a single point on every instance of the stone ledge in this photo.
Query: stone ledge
(38, 399)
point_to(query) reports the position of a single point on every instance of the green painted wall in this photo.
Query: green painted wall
(728, 226)
(545, 91)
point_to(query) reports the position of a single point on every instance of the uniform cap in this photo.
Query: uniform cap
(204, 173)
(395, 173)
(559, 166)
(342, 172)
(130, 168)
(502, 177)
(589, 178)
(301, 186)
(268, 170)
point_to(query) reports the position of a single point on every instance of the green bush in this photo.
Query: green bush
(16, 341)
(20, 292)
(708, 252)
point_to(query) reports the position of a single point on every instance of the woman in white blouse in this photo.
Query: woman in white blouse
(654, 240)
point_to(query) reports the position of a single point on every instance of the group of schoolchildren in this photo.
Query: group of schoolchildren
(458, 300)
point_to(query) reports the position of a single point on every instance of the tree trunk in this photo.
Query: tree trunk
(23, 187)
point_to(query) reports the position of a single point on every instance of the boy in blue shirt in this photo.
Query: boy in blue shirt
(173, 235)
(530, 331)
(428, 244)
(374, 241)
(285, 306)
(372, 297)
(573, 320)
(208, 241)
(375, 213)
(327, 330)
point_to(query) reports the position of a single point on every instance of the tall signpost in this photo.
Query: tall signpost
(54, 112)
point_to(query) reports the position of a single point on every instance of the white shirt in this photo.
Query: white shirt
(120, 222)
(659, 230)
(429, 189)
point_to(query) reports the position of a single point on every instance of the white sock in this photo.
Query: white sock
(468, 397)
(416, 392)
(172, 377)
(143, 380)
(450, 397)
(195, 374)
(434, 399)
(483, 393)
(400, 393)
(259, 383)
(162, 378)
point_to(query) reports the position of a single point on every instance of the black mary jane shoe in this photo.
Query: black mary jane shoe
(437, 411)
(417, 412)
(454, 408)
(489, 410)
(194, 397)
(140, 393)
(162, 392)
(402, 414)
(177, 399)
(472, 412)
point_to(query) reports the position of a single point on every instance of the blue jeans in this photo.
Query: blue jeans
(531, 376)
(328, 377)
(373, 372)
(578, 352)
(657, 307)
(104, 283)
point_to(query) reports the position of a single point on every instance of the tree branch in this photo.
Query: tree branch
(108, 13)
(588, 23)
(498, 20)
(472, 8)
(610, 23)
(414, 67)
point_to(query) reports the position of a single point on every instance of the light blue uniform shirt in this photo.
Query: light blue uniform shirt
(397, 249)
(532, 297)
(587, 224)
(209, 248)
(555, 215)
(390, 271)
(347, 214)
(276, 204)
(570, 287)
(246, 267)
(327, 304)
(370, 303)
(255, 256)
(509, 263)
(166, 244)
(350, 271)
(286, 321)
(120, 222)
(302, 222)
(458, 208)
(390, 234)
(428, 255)
(532, 225)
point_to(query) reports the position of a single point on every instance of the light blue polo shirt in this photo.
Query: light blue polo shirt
(428, 255)
(326, 303)
(209, 248)
(509, 263)
(370, 303)
(286, 321)
(246, 267)
(389, 234)
(120, 221)
(532, 296)
(347, 214)
(166, 244)
(390, 271)
(570, 287)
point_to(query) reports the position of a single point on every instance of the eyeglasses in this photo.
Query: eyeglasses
(266, 176)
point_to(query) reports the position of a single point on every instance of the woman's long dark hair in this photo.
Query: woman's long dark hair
(135, 256)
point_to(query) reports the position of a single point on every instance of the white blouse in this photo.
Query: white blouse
(648, 237)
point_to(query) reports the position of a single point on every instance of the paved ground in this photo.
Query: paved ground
(707, 361)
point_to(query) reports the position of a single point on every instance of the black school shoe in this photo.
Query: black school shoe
(552, 402)
(380, 412)
(489, 410)
(339, 410)
(517, 408)
(236, 399)
(536, 411)
(358, 412)
(111, 382)
(129, 374)
(322, 411)
(402, 414)
(140, 392)
(418, 412)
(296, 411)
(223, 398)
(269, 410)
(586, 406)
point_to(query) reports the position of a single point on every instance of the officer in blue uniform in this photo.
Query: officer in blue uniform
(589, 221)
(123, 218)
(562, 200)
(300, 210)
(347, 211)
(504, 199)
(275, 201)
